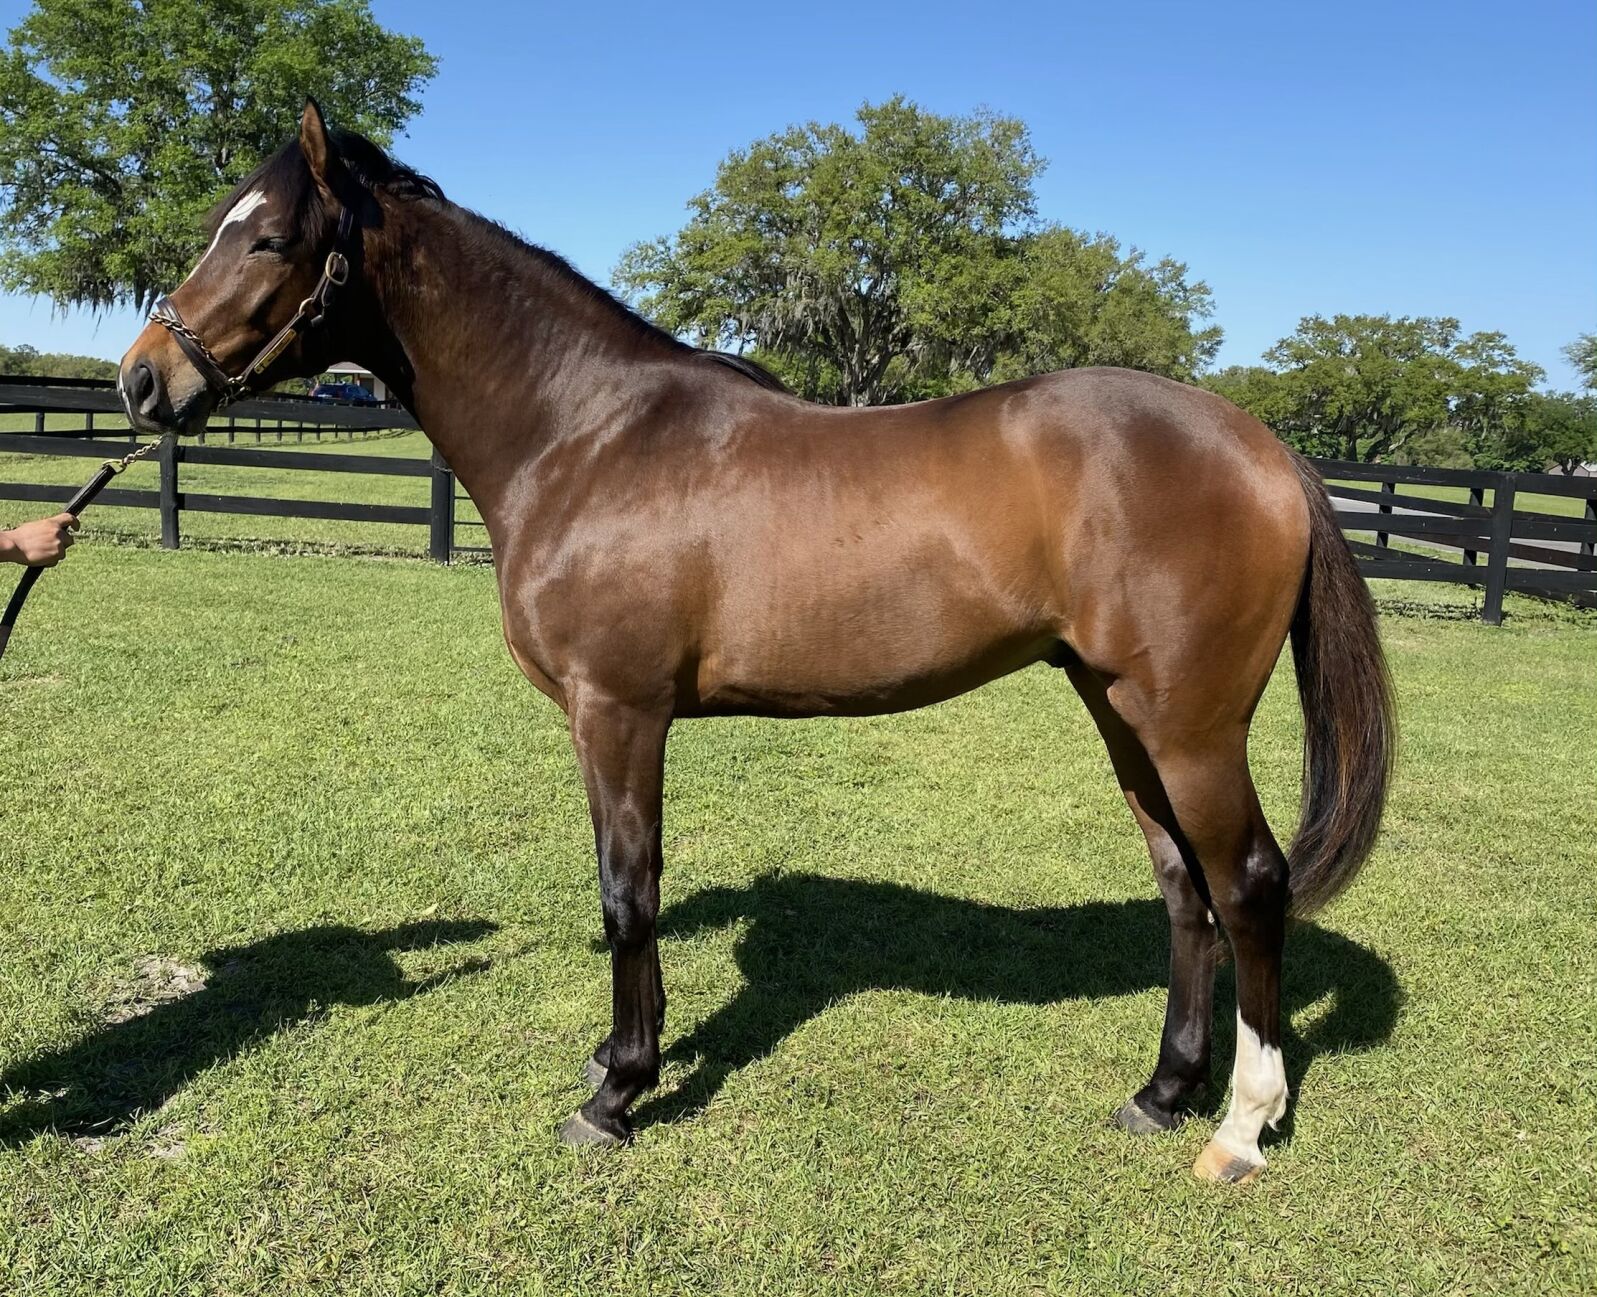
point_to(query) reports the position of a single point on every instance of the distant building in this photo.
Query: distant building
(347, 371)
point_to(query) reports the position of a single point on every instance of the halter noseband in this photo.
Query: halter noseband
(335, 274)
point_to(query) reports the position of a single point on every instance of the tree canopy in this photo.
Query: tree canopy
(26, 360)
(123, 121)
(1373, 387)
(1551, 429)
(1582, 353)
(906, 259)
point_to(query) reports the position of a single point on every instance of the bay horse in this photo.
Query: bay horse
(676, 535)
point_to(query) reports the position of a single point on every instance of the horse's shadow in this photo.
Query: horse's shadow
(121, 1069)
(809, 941)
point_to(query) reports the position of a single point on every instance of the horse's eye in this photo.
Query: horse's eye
(269, 245)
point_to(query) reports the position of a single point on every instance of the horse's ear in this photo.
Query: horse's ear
(317, 146)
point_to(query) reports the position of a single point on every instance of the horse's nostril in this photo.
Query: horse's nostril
(144, 388)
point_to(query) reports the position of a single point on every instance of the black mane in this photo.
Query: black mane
(285, 173)
(751, 369)
(374, 169)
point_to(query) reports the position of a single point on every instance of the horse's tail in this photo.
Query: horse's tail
(1349, 720)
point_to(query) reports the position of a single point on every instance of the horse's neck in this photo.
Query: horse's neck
(506, 356)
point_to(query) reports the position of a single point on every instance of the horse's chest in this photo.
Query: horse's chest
(564, 622)
(536, 645)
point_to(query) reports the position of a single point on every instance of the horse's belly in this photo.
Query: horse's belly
(834, 694)
(906, 639)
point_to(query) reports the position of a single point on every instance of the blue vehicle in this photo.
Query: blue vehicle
(343, 394)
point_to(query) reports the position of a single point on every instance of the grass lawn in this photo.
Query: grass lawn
(301, 961)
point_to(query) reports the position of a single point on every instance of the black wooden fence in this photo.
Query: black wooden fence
(268, 416)
(1492, 543)
(172, 499)
(1486, 541)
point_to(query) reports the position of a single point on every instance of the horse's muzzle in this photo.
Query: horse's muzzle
(143, 394)
(161, 392)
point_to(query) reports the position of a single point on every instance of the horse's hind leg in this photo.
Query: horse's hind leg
(1221, 829)
(1246, 874)
(1183, 1067)
(1195, 738)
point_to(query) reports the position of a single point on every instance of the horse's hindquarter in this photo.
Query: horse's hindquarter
(1185, 540)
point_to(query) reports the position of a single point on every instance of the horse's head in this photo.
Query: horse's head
(255, 309)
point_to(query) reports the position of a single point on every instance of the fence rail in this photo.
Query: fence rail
(1486, 541)
(173, 501)
(1449, 538)
(273, 417)
(21, 394)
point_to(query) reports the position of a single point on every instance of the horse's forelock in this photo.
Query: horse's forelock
(284, 177)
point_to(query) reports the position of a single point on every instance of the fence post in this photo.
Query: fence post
(167, 458)
(1381, 538)
(38, 423)
(441, 540)
(1497, 560)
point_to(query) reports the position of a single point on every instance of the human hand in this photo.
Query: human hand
(39, 544)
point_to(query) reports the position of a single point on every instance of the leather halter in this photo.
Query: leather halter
(335, 274)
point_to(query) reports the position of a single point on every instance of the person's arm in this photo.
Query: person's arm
(39, 544)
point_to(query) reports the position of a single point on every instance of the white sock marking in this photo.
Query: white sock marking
(1258, 1094)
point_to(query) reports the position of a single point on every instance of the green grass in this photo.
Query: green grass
(913, 963)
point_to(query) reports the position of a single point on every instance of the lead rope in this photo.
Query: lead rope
(75, 506)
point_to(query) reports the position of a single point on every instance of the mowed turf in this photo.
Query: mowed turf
(301, 959)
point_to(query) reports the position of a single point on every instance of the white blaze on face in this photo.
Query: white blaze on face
(240, 211)
(1258, 1094)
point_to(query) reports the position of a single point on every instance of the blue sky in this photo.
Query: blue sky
(1436, 159)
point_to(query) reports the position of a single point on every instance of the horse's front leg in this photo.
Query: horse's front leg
(622, 753)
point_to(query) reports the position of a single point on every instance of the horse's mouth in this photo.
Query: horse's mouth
(187, 418)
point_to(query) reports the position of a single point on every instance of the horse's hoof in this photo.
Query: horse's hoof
(1137, 1120)
(594, 1072)
(579, 1132)
(1226, 1166)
